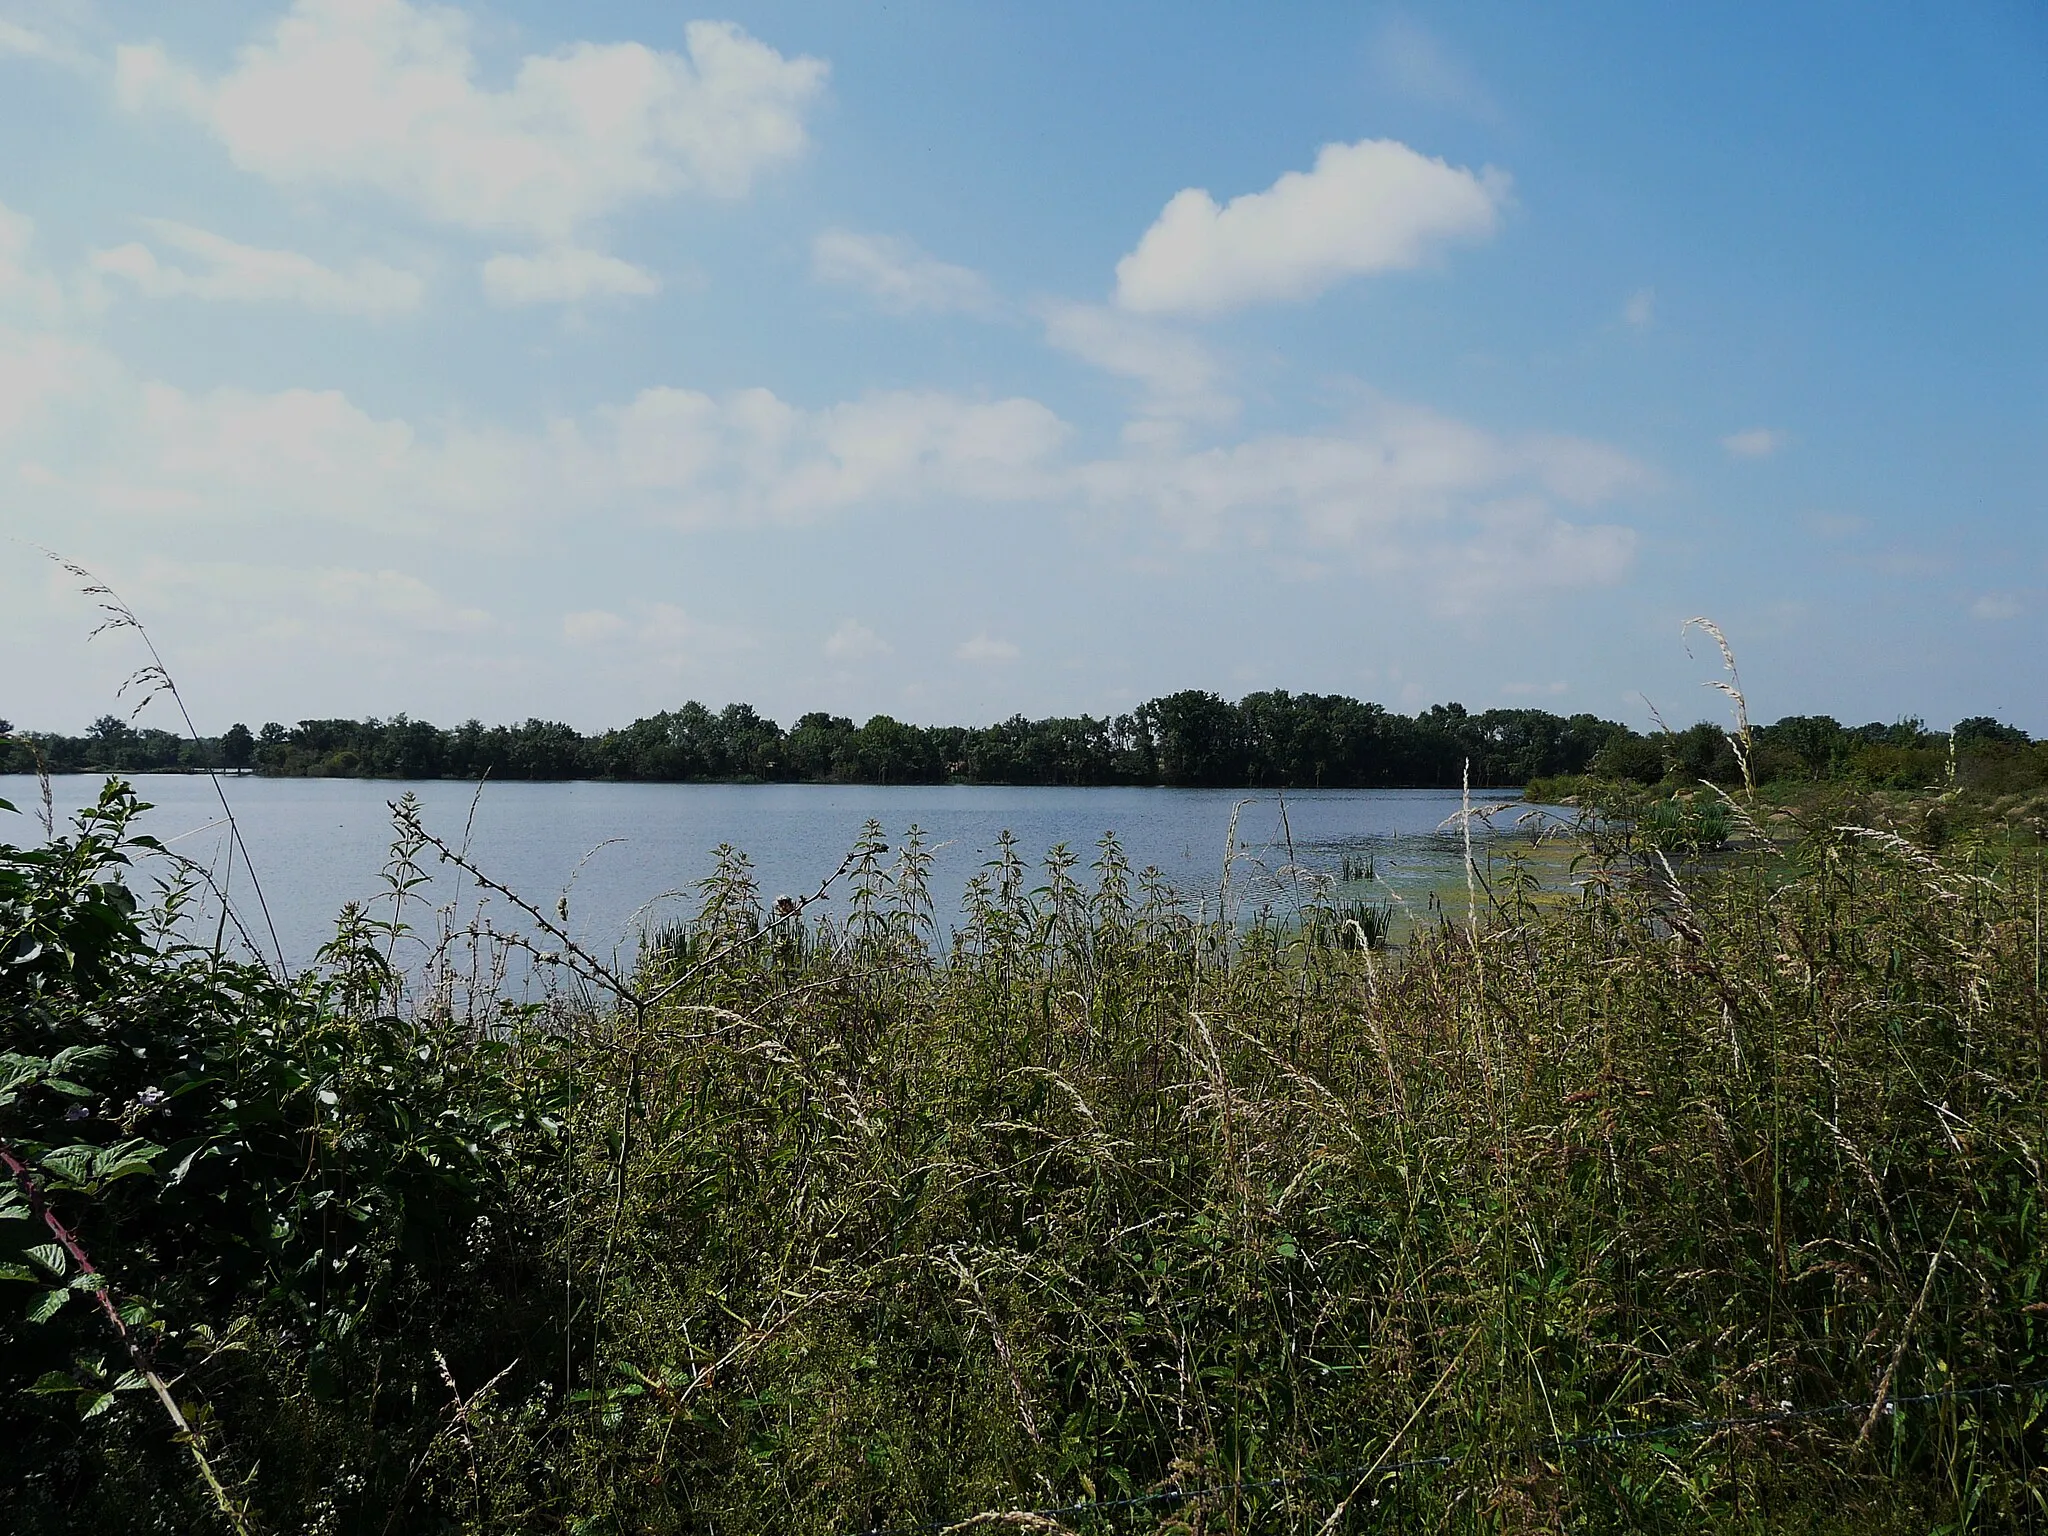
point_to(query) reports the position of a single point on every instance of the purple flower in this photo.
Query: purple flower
(78, 1112)
(149, 1098)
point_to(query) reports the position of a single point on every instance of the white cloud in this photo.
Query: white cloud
(1534, 690)
(898, 276)
(316, 607)
(45, 46)
(564, 275)
(85, 436)
(1400, 464)
(1444, 506)
(106, 444)
(985, 648)
(20, 42)
(854, 642)
(1755, 443)
(678, 640)
(1995, 607)
(1179, 373)
(1373, 206)
(1405, 491)
(1640, 312)
(593, 626)
(663, 633)
(383, 96)
(229, 271)
(751, 457)
(395, 595)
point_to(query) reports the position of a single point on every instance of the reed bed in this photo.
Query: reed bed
(1706, 1199)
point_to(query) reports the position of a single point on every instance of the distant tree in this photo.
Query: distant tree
(1818, 742)
(237, 746)
(6, 727)
(1983, 731)
(1632, 757)
(1199, 737)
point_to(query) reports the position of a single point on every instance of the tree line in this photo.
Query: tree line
(1194, 738)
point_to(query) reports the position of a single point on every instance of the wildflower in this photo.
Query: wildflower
(149, 1098)
(78, 1112)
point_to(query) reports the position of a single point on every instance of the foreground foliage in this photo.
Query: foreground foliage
(814, 1229)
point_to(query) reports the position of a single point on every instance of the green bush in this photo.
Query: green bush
(282, 1183)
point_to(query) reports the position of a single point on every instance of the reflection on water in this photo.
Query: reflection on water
(625, 855)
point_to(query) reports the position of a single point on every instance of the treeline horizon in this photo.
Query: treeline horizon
(1192, 738)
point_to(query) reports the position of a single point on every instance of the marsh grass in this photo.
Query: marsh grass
(841, 1225)
(1106, 1200)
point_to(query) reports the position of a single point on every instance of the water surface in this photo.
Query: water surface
(629, 854)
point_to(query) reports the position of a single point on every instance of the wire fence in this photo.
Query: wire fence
(1358, 1476)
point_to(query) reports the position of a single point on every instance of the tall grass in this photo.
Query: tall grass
(1101, 1205)
(1107, 1201)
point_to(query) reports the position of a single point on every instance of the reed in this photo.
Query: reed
(1704, 1199)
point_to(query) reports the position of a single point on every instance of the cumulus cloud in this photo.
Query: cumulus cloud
(1373, 206)
(1755, 443)
(1180, 375)
(1398, 465)
(751, 457)
(898, 276)
(854, 642)
(564, 275)
(1995, 607)
(1407, 492)
(985, 648)
(88, 434)
(383, 96)
(1436, 502)
(226, 270)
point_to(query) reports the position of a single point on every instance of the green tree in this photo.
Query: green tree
(237, 746)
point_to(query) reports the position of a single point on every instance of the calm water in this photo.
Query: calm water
(630, 853)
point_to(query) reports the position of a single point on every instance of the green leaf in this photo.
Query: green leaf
(73, 1164)
(97, 1406)
(54, 1381)
(50, 1257)
(45, 1306)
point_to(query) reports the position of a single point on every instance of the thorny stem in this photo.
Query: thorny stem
(25, 1180)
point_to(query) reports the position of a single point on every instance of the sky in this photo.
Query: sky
(956, 361)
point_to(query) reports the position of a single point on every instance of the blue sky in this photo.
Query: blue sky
(953, 361)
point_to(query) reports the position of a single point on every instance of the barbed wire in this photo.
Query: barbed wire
(1688, 1429)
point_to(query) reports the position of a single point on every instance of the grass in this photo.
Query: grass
(812, 1228)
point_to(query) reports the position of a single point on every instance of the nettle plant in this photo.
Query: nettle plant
(198, 1154)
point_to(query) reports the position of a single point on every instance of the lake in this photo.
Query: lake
(628, 854)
